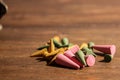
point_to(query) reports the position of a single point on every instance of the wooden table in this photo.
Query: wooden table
(31, 23)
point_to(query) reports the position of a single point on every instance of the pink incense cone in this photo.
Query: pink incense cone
(90, 60)
(72, 57)
(74, 49)
(108, 49)
(68, 53)
(65, 61)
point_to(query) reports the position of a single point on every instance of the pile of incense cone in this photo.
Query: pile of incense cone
(62, 52)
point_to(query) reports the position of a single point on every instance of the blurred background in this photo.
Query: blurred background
(61, 12)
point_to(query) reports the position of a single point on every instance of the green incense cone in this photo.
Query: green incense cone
(108, 58)
(42, 47)
(70, 45)
(56, 43)
(90, 44)
(81, 57)
(62, 46)
(65, 41)
(88, 51)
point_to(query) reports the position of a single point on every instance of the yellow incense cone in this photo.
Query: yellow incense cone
(57, 38)
(83, 45)
(39, 53)
(55, 52)
(51, 47)
(59, 51)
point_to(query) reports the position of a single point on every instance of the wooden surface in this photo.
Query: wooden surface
(31, 23)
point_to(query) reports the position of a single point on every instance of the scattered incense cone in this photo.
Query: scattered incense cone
(56, 43)
(53, 59)
(56, 52)
(74, 49)
(81, 57)
(90, 44)
(88, 51)
(39, 53)
(51, 48)
(62, 46)
(108, 57)
(83, 45)
(65, 41)
(108, 49)
(57, 38)
(59, 51)
(65, 61)
(68, 53)
(70, 45)
(71, 56)
(90, 60)
(42, 47)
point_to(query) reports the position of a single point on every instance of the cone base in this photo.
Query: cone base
(108, 49)
(90, 60)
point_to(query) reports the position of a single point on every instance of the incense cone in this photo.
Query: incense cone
(90, 60)
(74, 49)
(65, 41)
(51, 48)
(108, 49)
(71, 56)
(81, 57)
(39, 53)
(65, 61)
(83, 45)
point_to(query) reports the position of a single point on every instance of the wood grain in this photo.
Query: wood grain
(41, 12)
(31, 23)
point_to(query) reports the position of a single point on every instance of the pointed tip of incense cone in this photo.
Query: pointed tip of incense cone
(83, 45)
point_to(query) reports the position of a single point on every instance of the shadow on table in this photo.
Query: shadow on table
(53, 64)
(102, 55)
